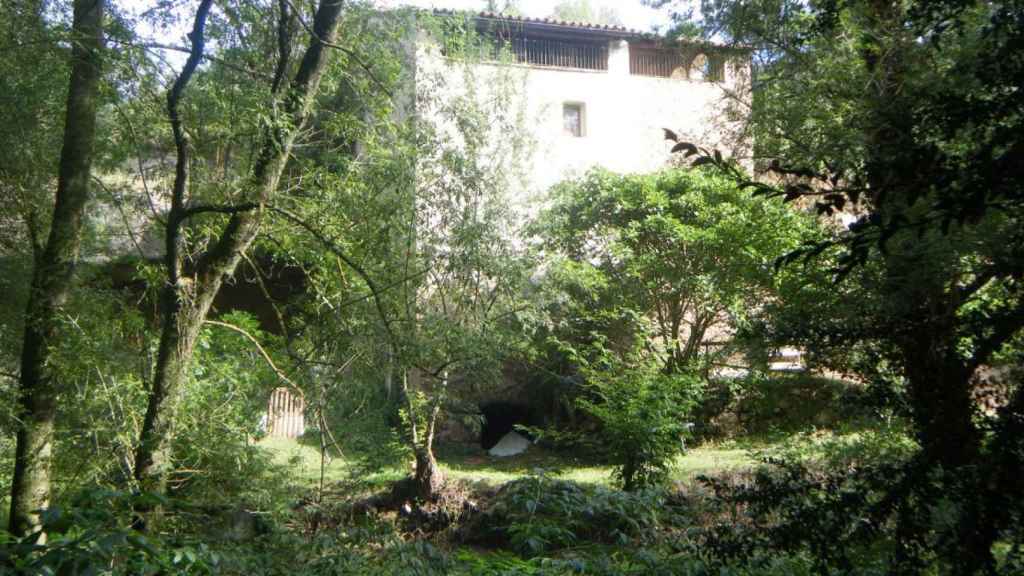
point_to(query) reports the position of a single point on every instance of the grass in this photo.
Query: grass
(473, 464)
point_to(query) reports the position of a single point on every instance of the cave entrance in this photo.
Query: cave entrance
(500, 418)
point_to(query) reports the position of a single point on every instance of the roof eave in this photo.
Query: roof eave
(563, 29)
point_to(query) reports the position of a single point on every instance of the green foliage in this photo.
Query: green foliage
(682, 250)
(508, 7)
(91, 536)
(33, 90)
(771, 403)
(99, 355)
(403, 278)
(645, 267)
(219, 417)
(873, 516)
(844, 449)
(584, 11)
(643, 414)
(538, 515)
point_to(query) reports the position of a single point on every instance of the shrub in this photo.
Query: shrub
(839, 451)
(214, 456)
(643, 414)
(91, 536)
(540, 514)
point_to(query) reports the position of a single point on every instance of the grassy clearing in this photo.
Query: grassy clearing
(473, 464)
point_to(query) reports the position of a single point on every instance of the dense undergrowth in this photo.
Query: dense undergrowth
(818, 505)
(820, 501)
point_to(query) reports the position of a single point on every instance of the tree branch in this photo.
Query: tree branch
(1004, 328)
(333, 247)
(32, 224)
(208, 209)
(270, 300)
(173, 242)
(384, 288)
(256, 343)
(348, 52)
(980, 281)
(221, 61)
(284, 38)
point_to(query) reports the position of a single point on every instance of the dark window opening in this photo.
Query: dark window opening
(714, 69)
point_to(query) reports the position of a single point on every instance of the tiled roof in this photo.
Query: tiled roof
(583, 26)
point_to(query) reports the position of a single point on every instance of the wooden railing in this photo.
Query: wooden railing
(538, 52)
(658, 63)
(557, 53)
(664, 63)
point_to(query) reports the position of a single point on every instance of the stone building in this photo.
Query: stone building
(599, 95)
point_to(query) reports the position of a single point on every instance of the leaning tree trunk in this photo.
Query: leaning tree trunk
(51, 278)
(186, 301)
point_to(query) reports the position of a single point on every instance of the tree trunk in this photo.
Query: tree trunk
(52, 274)
(992, 494)
(182, 322)
(943, 411)
(186, 302)
(939, 380)
(429, 478)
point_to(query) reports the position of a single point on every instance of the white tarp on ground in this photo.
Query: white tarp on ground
(510, 444)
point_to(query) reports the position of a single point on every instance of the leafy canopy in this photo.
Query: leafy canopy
(684, 249)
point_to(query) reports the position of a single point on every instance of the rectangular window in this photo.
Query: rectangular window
(573, 119)
(715, 71)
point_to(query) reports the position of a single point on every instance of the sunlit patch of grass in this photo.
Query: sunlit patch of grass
(473, 464)
(304, 461)
(707, 460)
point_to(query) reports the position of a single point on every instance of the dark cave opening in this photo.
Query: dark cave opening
(500, 418)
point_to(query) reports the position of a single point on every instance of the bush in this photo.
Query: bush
(214, 456)
(539, 514)
(837, 451)
(643, 414)
(91, 536)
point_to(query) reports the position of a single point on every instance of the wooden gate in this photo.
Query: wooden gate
(286, 414)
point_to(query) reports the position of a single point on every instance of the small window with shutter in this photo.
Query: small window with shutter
(574, 119)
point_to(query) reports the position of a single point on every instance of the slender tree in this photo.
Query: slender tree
(192, 283)
(53, 272)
